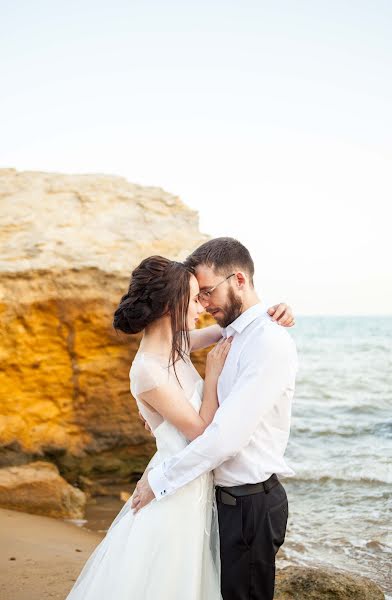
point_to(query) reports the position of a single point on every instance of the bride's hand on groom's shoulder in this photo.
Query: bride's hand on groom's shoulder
(283, 314)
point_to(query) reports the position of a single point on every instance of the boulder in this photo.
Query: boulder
(38, 488)
(305, 583)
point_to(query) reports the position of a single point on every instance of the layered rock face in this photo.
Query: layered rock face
(69, 244)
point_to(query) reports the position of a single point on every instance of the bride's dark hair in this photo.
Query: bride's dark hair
(157, 286)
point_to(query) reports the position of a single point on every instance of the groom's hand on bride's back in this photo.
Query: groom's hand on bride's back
(283, 314)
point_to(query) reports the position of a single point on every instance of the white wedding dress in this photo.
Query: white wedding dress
(169, 550)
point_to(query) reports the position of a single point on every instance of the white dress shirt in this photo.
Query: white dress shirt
(247, 439)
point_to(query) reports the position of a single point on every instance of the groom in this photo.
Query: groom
(246, 441)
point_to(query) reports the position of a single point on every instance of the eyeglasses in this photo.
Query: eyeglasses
(204, 295)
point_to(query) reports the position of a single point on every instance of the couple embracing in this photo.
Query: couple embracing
(209, 513)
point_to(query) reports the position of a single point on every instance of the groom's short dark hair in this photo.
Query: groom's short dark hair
(223, 254)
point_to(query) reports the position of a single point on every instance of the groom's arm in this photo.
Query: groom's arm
(268, 368)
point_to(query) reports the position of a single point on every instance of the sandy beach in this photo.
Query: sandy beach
(40, 557)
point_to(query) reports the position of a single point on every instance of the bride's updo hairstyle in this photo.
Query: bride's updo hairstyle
(158, 286)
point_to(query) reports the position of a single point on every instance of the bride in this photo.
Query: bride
(169, 550)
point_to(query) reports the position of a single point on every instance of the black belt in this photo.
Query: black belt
(228, 495)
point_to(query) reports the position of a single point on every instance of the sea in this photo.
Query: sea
(340, 447)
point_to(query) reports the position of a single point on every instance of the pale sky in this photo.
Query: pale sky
(272, 119)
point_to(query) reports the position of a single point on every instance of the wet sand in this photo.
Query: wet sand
(48, 555)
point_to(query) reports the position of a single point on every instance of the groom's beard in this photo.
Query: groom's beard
(231, 311)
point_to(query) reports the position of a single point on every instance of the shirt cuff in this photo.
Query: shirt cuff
(158, 482)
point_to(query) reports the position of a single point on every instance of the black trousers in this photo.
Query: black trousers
(251, 533)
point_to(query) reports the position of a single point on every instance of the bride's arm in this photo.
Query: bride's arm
(171, 403)
(202, 338)
(283, 314)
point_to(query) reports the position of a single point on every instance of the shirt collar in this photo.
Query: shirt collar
(245, 319)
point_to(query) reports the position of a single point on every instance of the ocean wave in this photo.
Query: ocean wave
(340, 479)
(381, 429)
(342, 407)
(384, 429)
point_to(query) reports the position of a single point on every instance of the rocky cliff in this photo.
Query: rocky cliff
(69, 243)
